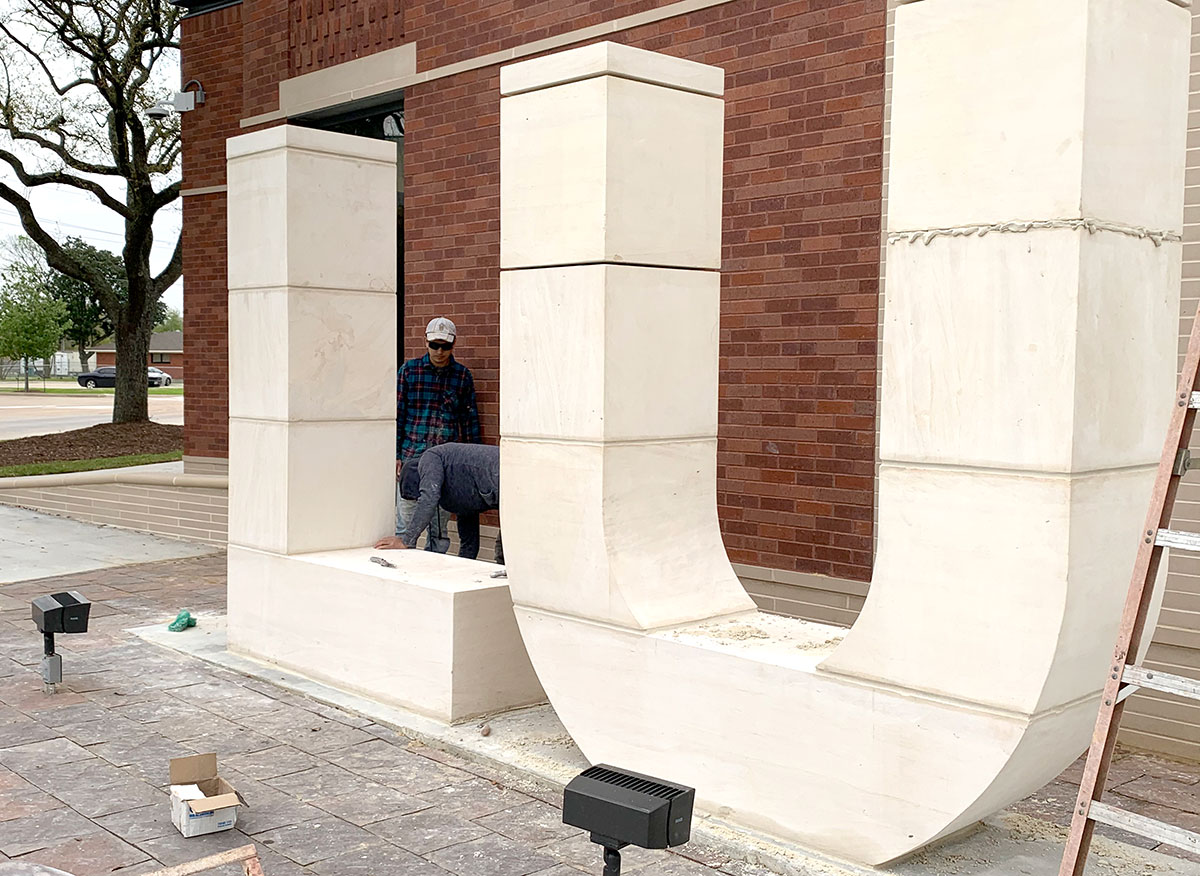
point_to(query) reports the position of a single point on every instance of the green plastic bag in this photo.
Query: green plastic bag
(182, 621)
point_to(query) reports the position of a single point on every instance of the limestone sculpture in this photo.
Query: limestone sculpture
(1027, 372)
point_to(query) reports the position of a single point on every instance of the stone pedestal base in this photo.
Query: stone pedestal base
(435, 635)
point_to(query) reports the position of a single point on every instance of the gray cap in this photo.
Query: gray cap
(440, 329)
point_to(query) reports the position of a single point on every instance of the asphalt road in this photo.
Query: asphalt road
(36, 414)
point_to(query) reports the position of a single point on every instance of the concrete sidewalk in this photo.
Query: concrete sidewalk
(83, 773)
(34, 545)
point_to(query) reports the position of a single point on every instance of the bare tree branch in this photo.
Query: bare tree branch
(56, 257)
(31, 180)
(61, 90)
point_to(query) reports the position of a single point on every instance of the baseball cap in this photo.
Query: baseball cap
(440, 329)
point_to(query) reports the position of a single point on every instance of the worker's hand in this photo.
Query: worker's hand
(399, 465)
(391, 543)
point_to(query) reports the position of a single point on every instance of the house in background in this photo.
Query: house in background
(166, 353)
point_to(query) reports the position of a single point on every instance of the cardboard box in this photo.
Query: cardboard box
(201, 801)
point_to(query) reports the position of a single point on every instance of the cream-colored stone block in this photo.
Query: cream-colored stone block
(632, 355)
(311, 202)
(610, 170)
(310, 486)
(860, 771)
(337, 83)
(436, 635)
(607, 58)
(1033, 110)
(633, 527)
(312, 354)
(1135, 112)
(1034, 351)
(1027, 630)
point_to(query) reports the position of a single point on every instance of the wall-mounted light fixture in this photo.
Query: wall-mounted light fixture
(180, 102)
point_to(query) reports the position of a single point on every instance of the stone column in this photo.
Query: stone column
(312, 351)
(1029, 340)
(610, 233)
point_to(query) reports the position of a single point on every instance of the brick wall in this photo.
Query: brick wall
(212, 54)
(205, 327)
(800, 265)
(448, 31)
(327, 32)
(801, 230)
(266, 35)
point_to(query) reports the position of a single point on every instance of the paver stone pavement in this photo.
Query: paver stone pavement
(83, 772)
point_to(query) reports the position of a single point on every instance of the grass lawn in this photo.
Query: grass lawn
(80, 390)
(63, 466)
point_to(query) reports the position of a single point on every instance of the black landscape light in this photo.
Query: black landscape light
(58, 613)
(622, 808)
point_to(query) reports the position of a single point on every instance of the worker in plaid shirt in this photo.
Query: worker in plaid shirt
(435, 404)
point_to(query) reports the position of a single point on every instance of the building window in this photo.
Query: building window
(160, 358)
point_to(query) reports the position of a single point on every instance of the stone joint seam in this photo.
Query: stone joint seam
(292, 149)
(613, 263)
(608, 442)
(587, 76)
(1012, 471)
(1022, 226)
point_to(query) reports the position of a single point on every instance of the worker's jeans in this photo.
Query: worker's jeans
(438, 533)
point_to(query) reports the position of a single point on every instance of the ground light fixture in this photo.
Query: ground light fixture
(58, 613)
(622, 808)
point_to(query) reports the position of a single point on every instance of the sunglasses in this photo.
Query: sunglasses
(441, 345)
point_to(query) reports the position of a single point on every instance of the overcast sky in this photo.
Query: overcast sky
(67, 212)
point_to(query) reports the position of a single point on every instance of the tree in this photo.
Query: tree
(76, 77)
(88, 322)
(31, 323)
(172, 322)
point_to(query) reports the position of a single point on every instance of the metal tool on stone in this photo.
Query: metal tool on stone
(1125, 674)
(66, 612)
(622, 808)
(381, 561)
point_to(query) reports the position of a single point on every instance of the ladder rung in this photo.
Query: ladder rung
(1195, 400)
(1176, 538)
(1150, 828)
(1155, 680)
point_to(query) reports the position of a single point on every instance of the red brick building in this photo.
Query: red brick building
(803, 189)
(166, 353)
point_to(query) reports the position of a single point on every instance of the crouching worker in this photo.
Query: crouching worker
(464, 479)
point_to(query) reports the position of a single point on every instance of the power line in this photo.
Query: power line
(15, 222)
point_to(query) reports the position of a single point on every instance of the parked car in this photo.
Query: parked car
(107, 376)
(158, 377)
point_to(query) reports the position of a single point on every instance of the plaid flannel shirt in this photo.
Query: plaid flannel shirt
(434, 406)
